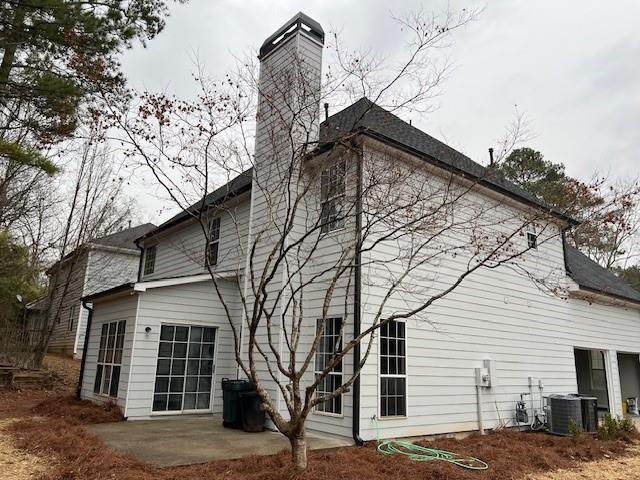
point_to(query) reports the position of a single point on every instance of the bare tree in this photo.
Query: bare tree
(609, 212)
(335, 213)
(96, 206)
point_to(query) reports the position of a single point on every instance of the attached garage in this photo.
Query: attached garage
(629, 369)
(591, 374)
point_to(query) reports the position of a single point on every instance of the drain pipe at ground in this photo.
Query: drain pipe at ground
(479, 399)
(85, 346)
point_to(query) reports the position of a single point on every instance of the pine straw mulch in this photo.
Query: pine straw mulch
(66, 370)
(44, 429)
(54, 432)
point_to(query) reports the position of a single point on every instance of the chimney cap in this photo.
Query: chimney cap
(300, 21)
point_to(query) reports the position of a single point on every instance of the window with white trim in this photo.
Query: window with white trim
(532, 237)
(598, 371)
(332, 193)
(214, 241)
(109, 359)
(184, 371)
(393, 370)
(330, 343)
(150, 259)
(72, 316)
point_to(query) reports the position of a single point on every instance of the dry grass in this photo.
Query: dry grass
(16, 464)
(624, 468)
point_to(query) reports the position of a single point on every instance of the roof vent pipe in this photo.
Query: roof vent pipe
(326, 111)
(491, 161)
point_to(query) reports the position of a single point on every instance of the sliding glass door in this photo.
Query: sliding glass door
(185, 369)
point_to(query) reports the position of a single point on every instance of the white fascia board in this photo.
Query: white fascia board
(108, 248)
(168, 282)
(602, 299)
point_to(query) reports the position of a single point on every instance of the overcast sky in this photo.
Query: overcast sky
(573, 67)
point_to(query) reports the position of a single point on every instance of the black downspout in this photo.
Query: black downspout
(84, 349)
(356, 307)
(140, 259)
(564, 248)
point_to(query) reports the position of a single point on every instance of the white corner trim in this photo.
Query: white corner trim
(131, 359)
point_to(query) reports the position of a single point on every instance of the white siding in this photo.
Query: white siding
(94, 271)
(191, 304)
(181, 249)
(105, 269)
(494, 314)
(273, 193)
(63, 300)
(122, 308)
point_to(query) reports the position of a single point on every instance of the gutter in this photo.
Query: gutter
(620, 298)
(109, 248)
(355, 418)
(84, 348)
(190, 212)
(483, 181)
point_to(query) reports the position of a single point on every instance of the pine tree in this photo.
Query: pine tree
(56, 55)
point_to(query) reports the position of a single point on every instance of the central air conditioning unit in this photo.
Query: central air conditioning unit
(589, 406)
(560, 409)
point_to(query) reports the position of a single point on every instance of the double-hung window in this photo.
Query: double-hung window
(332, 194)
(150, 259)
(532, 237)
(393, 370)
(330, 343)
(72, 316)
(214, 241)
(109, 359)
(598, 371)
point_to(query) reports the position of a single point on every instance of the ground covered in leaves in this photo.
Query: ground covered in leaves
(42, 437)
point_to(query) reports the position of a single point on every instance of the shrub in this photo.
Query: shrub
(613, 428)
(575, 432)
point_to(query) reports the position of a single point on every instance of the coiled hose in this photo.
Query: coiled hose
(423, 454)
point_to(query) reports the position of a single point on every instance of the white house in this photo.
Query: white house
(162, 344)
(99, 264)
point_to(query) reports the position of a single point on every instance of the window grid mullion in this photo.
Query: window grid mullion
(393, 370)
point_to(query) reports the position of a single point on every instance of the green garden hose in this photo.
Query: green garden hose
(418, 453)
(424, 454)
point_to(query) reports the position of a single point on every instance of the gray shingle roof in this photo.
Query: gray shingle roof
(591, 276)
(125, 238)
(364, 116)
(235, 187)
(369, 118)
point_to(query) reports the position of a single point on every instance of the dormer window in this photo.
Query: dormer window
(332, 192)
(214, 241)
(150, 260)
(532, 237)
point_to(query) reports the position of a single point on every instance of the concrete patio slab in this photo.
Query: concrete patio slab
(189, 439)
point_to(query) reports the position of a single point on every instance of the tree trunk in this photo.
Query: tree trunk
(13, 38)
(299, 451)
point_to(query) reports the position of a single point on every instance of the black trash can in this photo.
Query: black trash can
(252, 415)
(231, 413)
